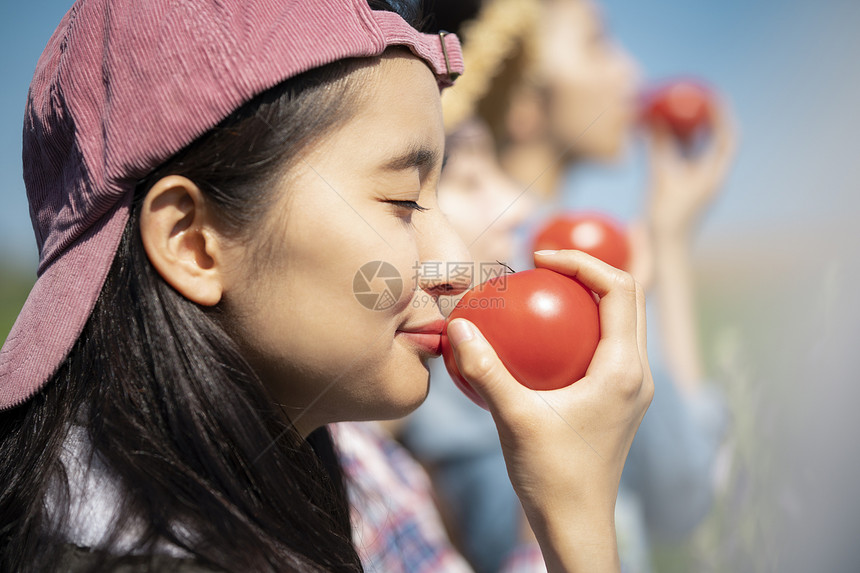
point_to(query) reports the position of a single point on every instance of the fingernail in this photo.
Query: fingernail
(545, 252)
(459, 331)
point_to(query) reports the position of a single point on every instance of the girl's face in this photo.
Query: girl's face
(591, 82)
(352, 269)
(483, 203)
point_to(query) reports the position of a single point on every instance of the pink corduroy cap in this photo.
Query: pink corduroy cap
(120, 88)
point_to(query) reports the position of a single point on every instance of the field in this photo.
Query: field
(779, 329)
(14, 287)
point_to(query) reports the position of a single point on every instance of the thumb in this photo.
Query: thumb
(662, 150)
(480, 365)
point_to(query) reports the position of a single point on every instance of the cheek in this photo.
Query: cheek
(590, 113)
(305, 308)
(345, 336)
(570, 108)
(337, 274)
(313, 325)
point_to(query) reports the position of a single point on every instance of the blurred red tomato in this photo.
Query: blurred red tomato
(543, 325)
(684, 106)
(598, 235)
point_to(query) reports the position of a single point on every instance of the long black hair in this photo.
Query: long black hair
(205, 460)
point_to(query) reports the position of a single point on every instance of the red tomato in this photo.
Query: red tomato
(542, 324)
(684, 106)
(598, 235)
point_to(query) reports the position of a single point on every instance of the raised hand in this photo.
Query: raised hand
(565, 449)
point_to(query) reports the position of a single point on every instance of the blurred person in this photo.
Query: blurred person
(556, 92)
(579, 104)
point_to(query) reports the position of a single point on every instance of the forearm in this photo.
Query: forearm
(676, 307)
(573, 544)
(574, 527)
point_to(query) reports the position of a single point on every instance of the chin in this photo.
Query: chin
(403, 410)
(393, 410)
(608, 150)
(403, 398)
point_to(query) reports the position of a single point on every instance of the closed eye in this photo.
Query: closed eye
(408, 205)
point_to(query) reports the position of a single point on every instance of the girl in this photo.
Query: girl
(206, 181)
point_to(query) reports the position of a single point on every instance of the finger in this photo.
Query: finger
(725, 135)
(615, 288)
(641, 256)
(623, 359)
(647, 386)
(480, 365)
(663, 152)
(641, 324)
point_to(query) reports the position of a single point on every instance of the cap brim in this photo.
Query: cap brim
(57, 309)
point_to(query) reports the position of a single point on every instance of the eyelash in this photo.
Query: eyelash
(408, 205)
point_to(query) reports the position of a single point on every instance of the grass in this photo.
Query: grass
(748, 330)
(14, 288)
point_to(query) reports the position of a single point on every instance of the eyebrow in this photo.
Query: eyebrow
(416, 156)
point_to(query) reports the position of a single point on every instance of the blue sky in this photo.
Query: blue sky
(789, 67)
(790, 70)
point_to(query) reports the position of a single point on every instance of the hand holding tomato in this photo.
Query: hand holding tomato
(684, 107)
(683, 184)
(542, 324)
(565, 448)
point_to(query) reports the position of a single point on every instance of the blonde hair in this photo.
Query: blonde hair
(499, 47)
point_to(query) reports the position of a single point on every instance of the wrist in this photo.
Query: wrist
(581, 541)
(674, 241)
(576, 545)
(668, 233)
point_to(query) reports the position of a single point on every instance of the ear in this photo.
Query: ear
(180, 241)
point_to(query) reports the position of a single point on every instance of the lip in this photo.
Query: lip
(426, 342)
(433, 327)
(426, 337)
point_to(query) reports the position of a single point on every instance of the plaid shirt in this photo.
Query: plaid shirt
(396, 526)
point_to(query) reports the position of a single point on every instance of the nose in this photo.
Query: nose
(445, 268)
